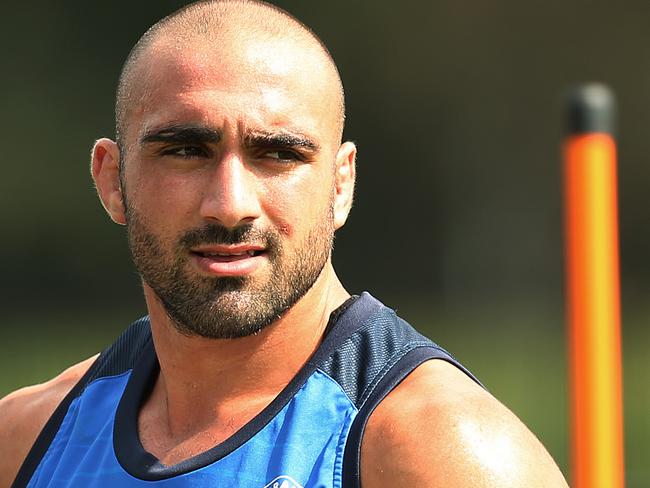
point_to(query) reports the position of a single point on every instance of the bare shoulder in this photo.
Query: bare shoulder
(440, 429)
(23, 415)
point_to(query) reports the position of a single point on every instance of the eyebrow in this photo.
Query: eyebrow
(280, 140)
(182, 134)
(194, 134)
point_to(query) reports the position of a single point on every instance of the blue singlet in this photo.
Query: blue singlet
(309, 436)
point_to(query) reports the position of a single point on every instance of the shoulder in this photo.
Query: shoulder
(439, 428)
(23, 415)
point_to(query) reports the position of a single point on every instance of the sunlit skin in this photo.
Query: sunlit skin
(242, 130)
(439, 429)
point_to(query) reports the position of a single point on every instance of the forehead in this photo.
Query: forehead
(251, 83)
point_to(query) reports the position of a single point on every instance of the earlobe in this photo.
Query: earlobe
(345, 178)
(105, 171)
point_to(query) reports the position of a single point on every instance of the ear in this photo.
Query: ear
(344, 182)
(104, 166)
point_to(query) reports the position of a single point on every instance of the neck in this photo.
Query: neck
(207, 382)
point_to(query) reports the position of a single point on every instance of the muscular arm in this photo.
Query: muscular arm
(23, 415)
(440, 429)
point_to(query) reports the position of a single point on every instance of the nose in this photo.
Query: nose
(232, 196)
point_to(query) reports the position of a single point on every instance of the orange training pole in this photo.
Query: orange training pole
(592, 287)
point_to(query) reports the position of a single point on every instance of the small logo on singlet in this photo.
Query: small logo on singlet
(283, 482)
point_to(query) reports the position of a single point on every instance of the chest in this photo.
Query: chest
(192, 434)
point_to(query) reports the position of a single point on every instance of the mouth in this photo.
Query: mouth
(237, 260)
(228, 256)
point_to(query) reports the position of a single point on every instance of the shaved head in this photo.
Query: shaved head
(212, 26)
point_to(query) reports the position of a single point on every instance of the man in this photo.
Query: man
(255, 367)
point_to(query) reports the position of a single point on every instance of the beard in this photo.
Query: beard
(227, 307)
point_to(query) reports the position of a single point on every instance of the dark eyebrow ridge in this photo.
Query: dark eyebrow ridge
(270, 139)
(182, 134)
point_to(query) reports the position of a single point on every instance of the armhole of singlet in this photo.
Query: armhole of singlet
(45, 438)
(413, 359)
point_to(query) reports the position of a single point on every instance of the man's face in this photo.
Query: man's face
(228, 175)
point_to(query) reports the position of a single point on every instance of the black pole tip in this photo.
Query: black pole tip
(591, 108)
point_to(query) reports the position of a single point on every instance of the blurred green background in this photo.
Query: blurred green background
(456, 108)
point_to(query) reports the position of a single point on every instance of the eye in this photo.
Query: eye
(186, 152)
(283, 155)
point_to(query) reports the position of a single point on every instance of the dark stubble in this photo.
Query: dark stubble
(227, 307)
